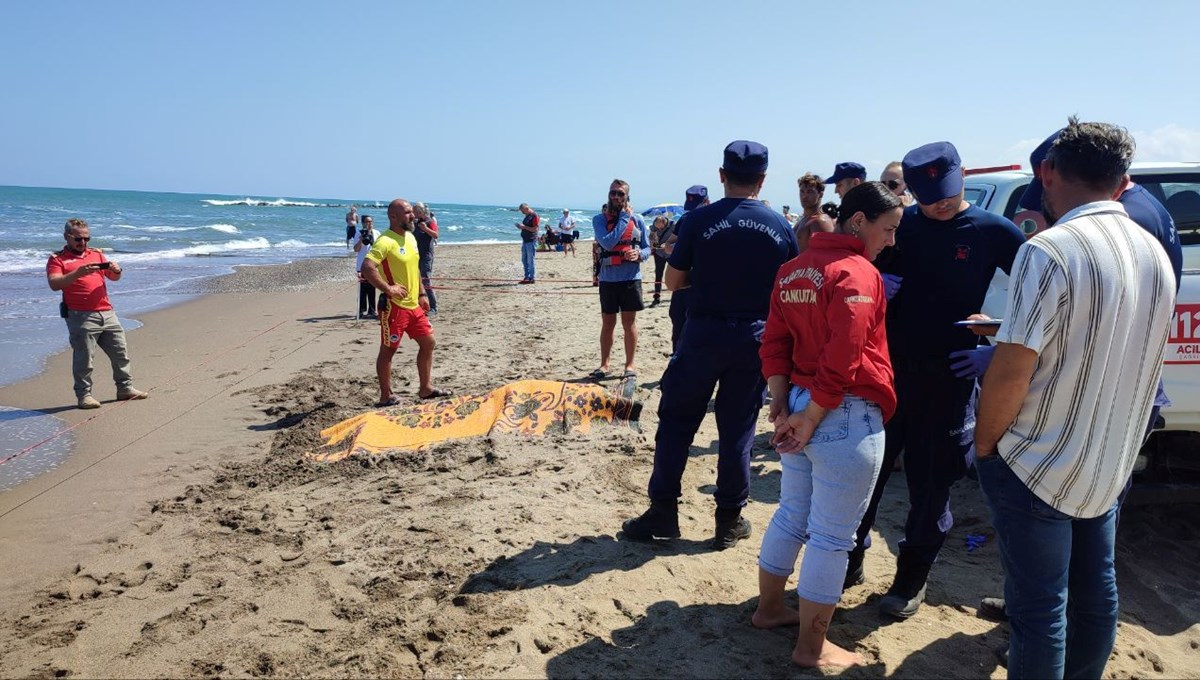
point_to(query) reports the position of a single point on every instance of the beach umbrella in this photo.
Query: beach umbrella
(672, 210)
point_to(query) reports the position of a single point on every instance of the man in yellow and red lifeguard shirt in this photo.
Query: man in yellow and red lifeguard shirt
(393, 267)
(80, 272)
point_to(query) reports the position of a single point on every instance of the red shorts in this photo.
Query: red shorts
(397, 321)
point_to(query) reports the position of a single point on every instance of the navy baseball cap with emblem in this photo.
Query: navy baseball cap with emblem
(695, 197)
(849, 170)
(1032, 198)
(933, 172)
(746, 157)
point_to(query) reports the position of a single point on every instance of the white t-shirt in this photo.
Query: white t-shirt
(362, 252)
(1093, 296)
(566, 224)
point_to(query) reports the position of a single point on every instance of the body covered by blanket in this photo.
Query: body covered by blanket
(529, 407)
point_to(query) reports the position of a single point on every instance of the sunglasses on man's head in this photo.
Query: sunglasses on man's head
(618, 194)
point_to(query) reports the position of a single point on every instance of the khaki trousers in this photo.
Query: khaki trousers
(87, 330)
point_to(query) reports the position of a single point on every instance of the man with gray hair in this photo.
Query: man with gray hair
(1064, 403)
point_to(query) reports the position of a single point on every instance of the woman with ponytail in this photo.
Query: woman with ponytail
(824, 354)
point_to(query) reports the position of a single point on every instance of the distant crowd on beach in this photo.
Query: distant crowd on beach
(860, 325)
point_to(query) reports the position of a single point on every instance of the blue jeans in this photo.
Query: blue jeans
(711, 351)
(528, 248)
(425, 266)
(823, 495)
(1060, 585)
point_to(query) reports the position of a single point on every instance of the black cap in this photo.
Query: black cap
(848, 170)
(695, 197)
(933, 172)
(745, 157)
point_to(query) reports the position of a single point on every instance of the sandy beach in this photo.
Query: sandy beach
(189, 536)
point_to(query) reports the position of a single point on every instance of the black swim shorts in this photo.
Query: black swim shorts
(620, 296)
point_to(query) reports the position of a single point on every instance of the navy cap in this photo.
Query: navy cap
(849, 170)
(933, 172)
(749, 158)
(695, 197)
(1032, 198)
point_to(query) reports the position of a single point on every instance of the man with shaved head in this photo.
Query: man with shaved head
(393, 267)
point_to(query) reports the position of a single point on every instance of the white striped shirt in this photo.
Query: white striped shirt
(1093, 296)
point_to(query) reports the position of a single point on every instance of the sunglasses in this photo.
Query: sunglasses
(85, 239)
(618, 194)
(893, 184)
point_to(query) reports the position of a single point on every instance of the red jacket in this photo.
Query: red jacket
(826, 326)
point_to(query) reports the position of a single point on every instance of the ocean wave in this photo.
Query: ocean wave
(164, 229)
(297, 243)
(454, 227)
(204, 249)
(129, 239)
(264, 203)
(22, 259)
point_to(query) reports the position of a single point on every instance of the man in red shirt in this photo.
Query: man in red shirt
(79, 272)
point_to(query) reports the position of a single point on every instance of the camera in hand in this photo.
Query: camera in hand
(105, 265)
(367, 238)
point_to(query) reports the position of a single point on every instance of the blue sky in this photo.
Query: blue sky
(545, 102)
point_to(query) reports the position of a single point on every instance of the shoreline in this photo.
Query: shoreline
(49, 423)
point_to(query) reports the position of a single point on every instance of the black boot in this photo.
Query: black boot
(855, 576)
(731, 528)
(660, 521)
(907, 593)
(993, 608)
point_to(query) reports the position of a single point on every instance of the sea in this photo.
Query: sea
(164, 243)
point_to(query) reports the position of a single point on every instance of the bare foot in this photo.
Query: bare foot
(830, 655)
(774, 617)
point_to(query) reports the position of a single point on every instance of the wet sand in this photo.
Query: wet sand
(187, 535)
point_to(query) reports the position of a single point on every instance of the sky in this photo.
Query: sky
(509, 101)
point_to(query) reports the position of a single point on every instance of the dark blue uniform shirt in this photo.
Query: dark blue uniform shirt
(947, 266)
(732, 249)
(1152, 216)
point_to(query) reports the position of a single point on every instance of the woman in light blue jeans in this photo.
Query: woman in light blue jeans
(825, 357)
(822, 497)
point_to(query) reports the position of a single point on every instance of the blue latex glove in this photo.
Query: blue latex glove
(972, 363)
(891, 285)
(975, 541)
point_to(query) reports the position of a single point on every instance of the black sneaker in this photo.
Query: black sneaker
(898, 605)
(731, 528)
(855, 575)
(660, 521)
